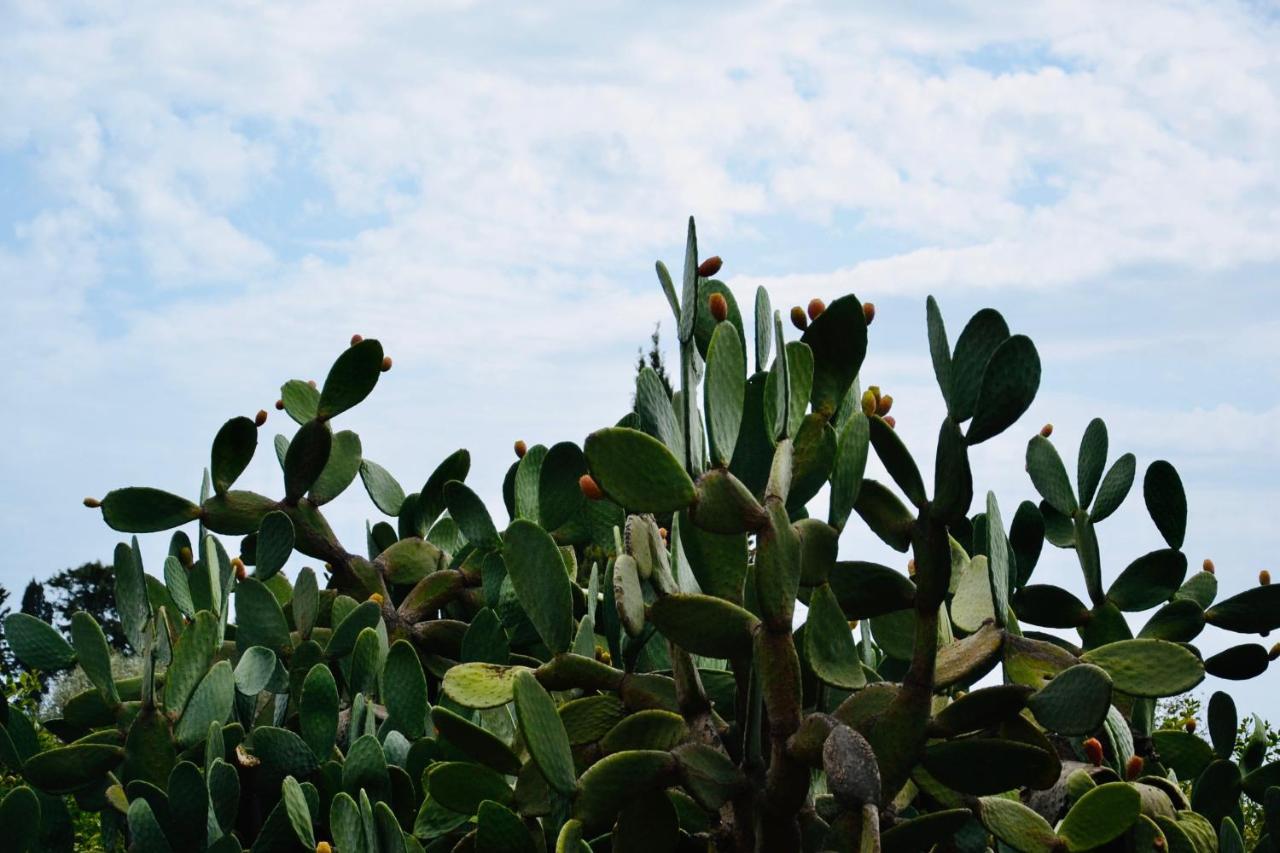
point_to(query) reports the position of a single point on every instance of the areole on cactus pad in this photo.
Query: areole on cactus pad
(619, 663)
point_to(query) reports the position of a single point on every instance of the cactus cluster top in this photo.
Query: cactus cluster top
(616, 665)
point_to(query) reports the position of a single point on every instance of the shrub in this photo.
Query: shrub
(618, 667)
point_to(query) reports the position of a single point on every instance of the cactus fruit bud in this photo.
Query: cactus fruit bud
(1093, 751)
(1274, 652)
(798, 318)
(889, 419)
(238, 565)
(719, 306)
(260, 418)
(869, 403)
(869, 311)
(1133, 768)
(376, 598)
(311, 382)
(1046, 430)
(355, 339)
(662, 531)
(590, 488)
(816, 307)
(386, 363)
(884, 404)
(602, 655)
(710, 266)
(323, 847)
(280, 405)
(521, 448)
(1190, 724)
(1158, 843)
(92, 503)
(1264, 578)
(184, 556)
(1208, 565)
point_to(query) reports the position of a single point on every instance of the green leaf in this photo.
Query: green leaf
(210, 703)
(404, 690)
(1092, 460)
(614, 780)
(461, 787)
(1115, 487)
(500, 830)
(798, 361)
(637, 471)
(544, 733)
(131, 593)
(466, 508)
(887, 517)
(870, 589)
(144, 510)
(366, 767)
(274, 545)
(703, 624)
(350, 379)
(295, 803)
(1182, 752)
(68, 768)
(383, 489)
(1009, 384)
(764, 328)
(233, 449)
(455, 466)
(318, 711)
(897, 459)
(828, 641)
(1102, 814)
(477, 743)
(998, 559)
(528, 474)
(480, 685)
(651, 728)
(94, 655)
(1017, 825)
(657, 415)
(538, 576)
(307, 456)
(175, 580)
(301, 400)
(1254, 611)
(978, 341)
(689, 294)
(1166, 501)
(343, 639)
(305, 602)
(1050, 607)
(37, 644)
(1049, 475)
(559, 496)
(952, 475)
(987, 765)
(726, 390)
(850, 464)
(1149, 580)
(192, 657)
(20, 816)
(1075, 702)
(838, 339)
(149, 749)
(1154, 668)
(260, 621)
(1238, 663)
(254, 670)
(718, 560)
(341, 469)
(939, 351)
(145, 829)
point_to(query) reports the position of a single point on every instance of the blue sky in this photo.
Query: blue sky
(198, 202)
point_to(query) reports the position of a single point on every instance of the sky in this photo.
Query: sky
(199, 202)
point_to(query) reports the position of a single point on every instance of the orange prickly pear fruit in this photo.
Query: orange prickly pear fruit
(719, 306)
(1093, 751)
(869, 402)
(1046, 430)
(1190, 724)
(884, 404)
(386, 363)
(311, 382)
(92, 503)
(238, 565)
(1133, 768)
(816, 307)
(710, 266)
(521, 449)
(1208, 565)
(889, 419)
(355, 339)
(323, 847)
(798, 318)
(1264, 578)
(260, 418)
(869, 311)
(590, 488)
(376, 598)
(1274, 652)
(280, 405)
(662, 531)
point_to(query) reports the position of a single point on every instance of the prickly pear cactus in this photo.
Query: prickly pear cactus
(616, 665)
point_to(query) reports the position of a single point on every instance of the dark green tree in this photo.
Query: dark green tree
(6, 656)
(35, 602)
(89, 587)
(653, 358)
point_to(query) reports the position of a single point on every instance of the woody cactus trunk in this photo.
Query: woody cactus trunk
(619, 666)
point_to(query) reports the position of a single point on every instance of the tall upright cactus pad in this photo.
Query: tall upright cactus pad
(662, 645)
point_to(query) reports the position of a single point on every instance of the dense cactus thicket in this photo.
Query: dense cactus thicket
(617, 664)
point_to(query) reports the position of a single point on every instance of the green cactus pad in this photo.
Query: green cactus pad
(544, 734)
(1075, 702)
(896, 459)
(983, 765)
(588, 719)
(254, 670)
(1153, 668)
(704, 624)
(274, 545)
(852, 443)
(475, 742)
(870, 589)
(318, 711)
(1149, 580)
(1049, 475)
(1010, 380)
(1018, 826)
(307, 456)
(980, 709)
(967, 660)
(69, 768)
(1254, 611)
(538, 576)
(1102, 814)
(1179, 621)
(724, 505)
(1050, 606)
(365, 615)
(828, 641)
(923, 832)
(637, 471)
(559, 496)
(404, 689)
(341, 469)
(295, 803)
(210, 703)
(192, 657)
(20, 816)
(972, 603)
(386, 494)
(1217, 790)
(1260, 784)
(1115, 487)
(609, 783)
(260, 620)
(853, 777)
(148, 837)
(1238, 663)
(1182, 752)
(838, 339)
(887, 517)
(144, 510)
(500, 830)
(978, 342)
(1166, 501)
(473, 519)
(233, 448)
(1091, 461)
(36, 644)
(726, 390)
(652, 728)
(462, 787)
(351, 378)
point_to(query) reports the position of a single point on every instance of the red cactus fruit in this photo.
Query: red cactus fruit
(1264, 578)
(869, 311)
(1208, 565)
(521, 448)
(710, 266)
(311, 382)
(386, 363)
(590, 488)
(280, 405)
(355, 339)
(1093, 751)
(816, 307)
(1133, 768)
(719, 306)
(238, 565)
(1190, 724)
(884, 404)
(889, 419)
(1046, 430)
(92, 503)
(798, 318)
(260, 418)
